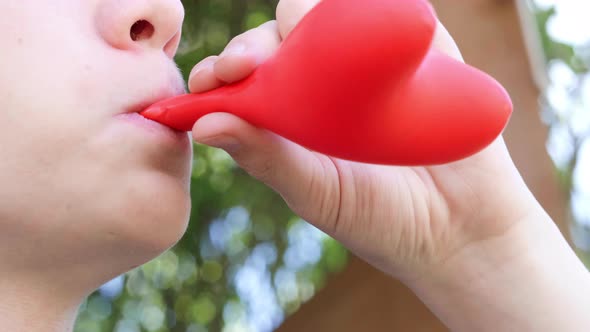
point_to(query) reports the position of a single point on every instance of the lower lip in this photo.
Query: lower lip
(162, 132)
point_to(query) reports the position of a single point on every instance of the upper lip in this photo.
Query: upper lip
(172, 90)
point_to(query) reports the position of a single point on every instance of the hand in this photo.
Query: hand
(402, 219)
(457, 234)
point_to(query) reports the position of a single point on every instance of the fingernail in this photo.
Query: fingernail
(194, 73)
(229, 144)
(234, 49)
(199, 69)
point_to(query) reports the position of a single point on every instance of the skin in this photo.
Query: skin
(88, 193)
(468, 237)
(405, 220)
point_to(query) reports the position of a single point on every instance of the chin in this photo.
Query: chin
(124, 223)
(154, 216)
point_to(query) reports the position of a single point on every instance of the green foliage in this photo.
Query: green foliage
(246, 261)
(555, 50)
(560, 115)
(565, 104)
(210, 24)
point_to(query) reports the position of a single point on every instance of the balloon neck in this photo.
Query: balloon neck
(181, 112)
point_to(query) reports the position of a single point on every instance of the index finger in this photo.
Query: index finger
(290, 12)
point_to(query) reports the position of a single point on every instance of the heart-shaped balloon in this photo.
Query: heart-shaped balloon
(358, 80)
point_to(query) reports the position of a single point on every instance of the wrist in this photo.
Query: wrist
(526, 279)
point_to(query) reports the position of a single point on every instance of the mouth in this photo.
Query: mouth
(134, 110)
(131, 114)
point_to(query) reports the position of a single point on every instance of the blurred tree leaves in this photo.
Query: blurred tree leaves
(555, 50)
(562, 113)
(246, 262)
(565, 111)
(210, 24)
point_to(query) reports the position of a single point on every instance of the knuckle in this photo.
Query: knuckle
(205, 62)
(266, 28)
(208, 61)
(260, 166)
(210, 58)
(283, 6)
(263, 170)
(238, 39)
(269, 25)
(321, 199)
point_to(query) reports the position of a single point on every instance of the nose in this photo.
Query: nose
(141, 24)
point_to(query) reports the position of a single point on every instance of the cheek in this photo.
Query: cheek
(41, 98)
(42, 134)
(46, 60)
(53, 174)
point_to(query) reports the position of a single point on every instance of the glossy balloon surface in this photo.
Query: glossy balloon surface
(358, 80)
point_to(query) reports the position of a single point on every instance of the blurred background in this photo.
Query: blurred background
(247, 264)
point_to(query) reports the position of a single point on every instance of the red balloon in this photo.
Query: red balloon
(358, 80)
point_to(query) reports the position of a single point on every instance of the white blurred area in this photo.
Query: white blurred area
(570, 25)
(568, 98)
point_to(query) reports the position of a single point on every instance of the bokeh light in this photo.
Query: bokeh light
(565, 30)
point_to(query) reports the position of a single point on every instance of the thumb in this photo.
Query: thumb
(290, 12)
(307, 181)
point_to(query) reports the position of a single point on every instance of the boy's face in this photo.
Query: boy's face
(83, 178)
